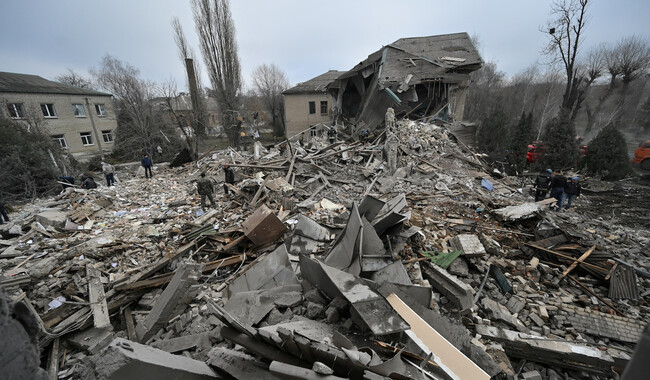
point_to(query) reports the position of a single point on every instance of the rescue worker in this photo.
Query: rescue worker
(331, 134)
(542, 184)
(571, 191)
(230, 177)
(557, 188)
(205, 189)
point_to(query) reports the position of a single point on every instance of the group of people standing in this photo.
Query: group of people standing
(563, 189)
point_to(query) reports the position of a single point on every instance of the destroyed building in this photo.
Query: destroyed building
(321, 264)
(418, 77)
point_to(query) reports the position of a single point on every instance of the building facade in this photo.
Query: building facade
(308, 104)
(82, 121)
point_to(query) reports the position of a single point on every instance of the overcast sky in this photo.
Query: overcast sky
(303, 37)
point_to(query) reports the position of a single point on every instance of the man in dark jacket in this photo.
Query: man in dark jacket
(542, 184)
(205, 189)
(147, 165)
(230, 177)
(557, 188)
(571, 191)
(3, 213)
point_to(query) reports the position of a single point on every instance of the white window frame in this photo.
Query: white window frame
(100, 109)
(107, 136)
(48, 110)
(86, 138)
(61, 140)
(17, 109)
(79, 110)
(313, 132)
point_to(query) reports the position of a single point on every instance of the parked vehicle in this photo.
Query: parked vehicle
(642, 155)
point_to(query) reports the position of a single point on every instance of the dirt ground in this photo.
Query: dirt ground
(627, 203)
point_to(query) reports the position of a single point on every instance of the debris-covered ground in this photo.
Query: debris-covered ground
(405, 257)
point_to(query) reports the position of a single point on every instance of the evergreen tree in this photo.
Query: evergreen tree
(561, 147)
(26, 167)
(521, 135)
(607, 155)
(492, 134)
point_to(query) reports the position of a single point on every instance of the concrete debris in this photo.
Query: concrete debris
(461, 294)
(357, 259)
(124, 359)
(564, 354)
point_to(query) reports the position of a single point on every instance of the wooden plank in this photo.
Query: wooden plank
(566, 257)
(445, 354)
(97, 298)
(130, 325)
(53, 360)
(288, 176)
(580, 260)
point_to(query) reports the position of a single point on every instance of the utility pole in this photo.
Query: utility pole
(92, 121)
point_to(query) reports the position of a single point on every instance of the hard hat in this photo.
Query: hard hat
(575, 178)
(549, 171)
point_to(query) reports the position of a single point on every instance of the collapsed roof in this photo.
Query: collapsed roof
(419, 76)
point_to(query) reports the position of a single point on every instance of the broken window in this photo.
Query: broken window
(48, 110)
(86, 138)
(16, 110)
(323, 107)
(312, 131)
(78, 110)
(312, 108)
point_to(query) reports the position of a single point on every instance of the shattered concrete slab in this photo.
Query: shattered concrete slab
(126, 360)
(252, 306)
(239, 365)
(519, 212)
(368, 304)
(461, 294)
(395, 273)
(174, 295)
(345, 253)
(469, 244)
(266, 272)
(564, 354)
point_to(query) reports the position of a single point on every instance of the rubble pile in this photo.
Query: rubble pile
(404, 257)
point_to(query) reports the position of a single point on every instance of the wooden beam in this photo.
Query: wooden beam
(97, 298)
(53, 360)
(130, 326)
(567, 257)
(579, 261)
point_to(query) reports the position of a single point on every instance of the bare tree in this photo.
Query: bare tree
(140, 127)
(269, 82)
(74, 79)
(216, 30)
(565, 31)
(198, 114)
(485, 84)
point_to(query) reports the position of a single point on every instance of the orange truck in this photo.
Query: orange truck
(642, 155)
